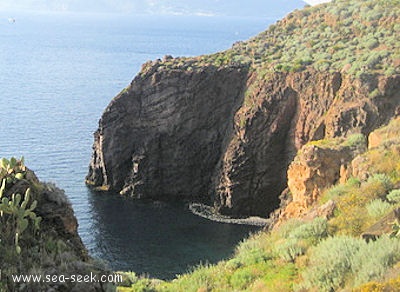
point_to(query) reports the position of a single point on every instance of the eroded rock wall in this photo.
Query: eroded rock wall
(163, 136)
(285, 111)
(227, 134)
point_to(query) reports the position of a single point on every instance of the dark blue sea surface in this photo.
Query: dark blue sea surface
(57, 74)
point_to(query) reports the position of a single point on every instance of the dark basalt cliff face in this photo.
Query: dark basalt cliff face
(163, 136)
(223, 128)
(193, 134)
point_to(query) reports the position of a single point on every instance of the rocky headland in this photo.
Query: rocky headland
(224, 128)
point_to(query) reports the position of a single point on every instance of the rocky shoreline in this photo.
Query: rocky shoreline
(210, 214)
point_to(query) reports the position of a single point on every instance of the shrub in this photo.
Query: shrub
(337, 191)
(300, 238)
(374, 93)
(373, 260)
(353, 182)
(242, 278)
(311, 232)
(278, 278)
(394, 196)
(289, 249)
(330, 263)
(356, 141)
(253, 256)
(201, 277)
(254, 249)
(390, 285)
(378, 208)
(377, 185)
(351, 217)
(338, 259)
(285, 229)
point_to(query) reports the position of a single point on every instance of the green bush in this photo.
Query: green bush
(394, 196)
(353, 182)
(288, 227)
(300, 238)
(330, 263)
(253, 250)
(335, 191)
(338, 259)
(356, 141)
(378, 208)
(374, 259)
(242, 278)
(289, 249)
(312, 232)
(383, 180)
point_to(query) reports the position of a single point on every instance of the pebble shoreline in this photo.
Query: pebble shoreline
(208, 213)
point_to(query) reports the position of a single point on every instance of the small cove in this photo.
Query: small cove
(58, 73)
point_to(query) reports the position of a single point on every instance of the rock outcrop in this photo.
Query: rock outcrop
(48, 248)
(224, 128)
(163, 136)
(315, 168)
(193, 134)
(292, 110)
(322, 164)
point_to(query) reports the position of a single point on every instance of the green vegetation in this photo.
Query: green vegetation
(15, 214)
(355, 142)
(317, 254)
(339, 258)
(357, 37)
(33, 244)
(394, 196)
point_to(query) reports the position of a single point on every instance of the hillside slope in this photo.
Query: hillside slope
(39, 236)
(339, 231)
(223, 128)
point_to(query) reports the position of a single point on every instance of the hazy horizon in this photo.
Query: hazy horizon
(253, 8)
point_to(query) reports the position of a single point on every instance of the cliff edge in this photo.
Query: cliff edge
(223, 128)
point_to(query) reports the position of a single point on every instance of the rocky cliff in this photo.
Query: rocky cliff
(224, 128)
(319, 165)
(163, 136)
(39, 236)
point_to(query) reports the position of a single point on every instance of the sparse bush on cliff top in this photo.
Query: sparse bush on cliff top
(316, 32)
(359, 35)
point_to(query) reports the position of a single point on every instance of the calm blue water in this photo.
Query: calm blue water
(57, 74)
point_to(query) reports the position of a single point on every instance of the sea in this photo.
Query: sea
(58, 72)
